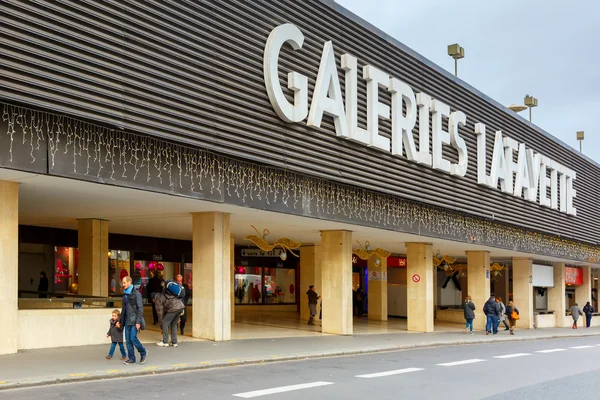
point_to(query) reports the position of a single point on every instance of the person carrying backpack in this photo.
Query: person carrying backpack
(169, 308)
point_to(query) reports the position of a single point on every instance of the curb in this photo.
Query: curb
(87, 377)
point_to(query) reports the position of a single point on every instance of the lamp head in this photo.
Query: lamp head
(530, 101)
(456, 51)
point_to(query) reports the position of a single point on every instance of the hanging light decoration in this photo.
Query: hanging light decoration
(496, 270)
(366, 252)
(445, 263)
(261, 241)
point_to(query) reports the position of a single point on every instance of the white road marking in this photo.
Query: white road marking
(452, 364)
(513, 355)
(388, 373)
(281, 389)
(550, 350)
(581, 347)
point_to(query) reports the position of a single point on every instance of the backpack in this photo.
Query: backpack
(175, 288)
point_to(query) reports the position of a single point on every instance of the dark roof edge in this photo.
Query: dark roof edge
(367, 25)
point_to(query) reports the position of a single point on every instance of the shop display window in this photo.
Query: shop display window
(144, 270)
(247, 285)
(257, 285)
(118, 268)
(63, 268)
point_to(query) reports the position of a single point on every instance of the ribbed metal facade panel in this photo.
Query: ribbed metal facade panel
(191, 71)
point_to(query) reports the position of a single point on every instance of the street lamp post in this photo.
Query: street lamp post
(580, 136)
(457, 52)
(530, 102)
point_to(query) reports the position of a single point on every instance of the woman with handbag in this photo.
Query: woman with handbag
(512, 313)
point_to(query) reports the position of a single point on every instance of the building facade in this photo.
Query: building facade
(189, 122)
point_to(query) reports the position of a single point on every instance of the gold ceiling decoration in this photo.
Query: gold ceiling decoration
(364, 253)
(496, 270)
(261, 241)
(444, 263)
(439, 261)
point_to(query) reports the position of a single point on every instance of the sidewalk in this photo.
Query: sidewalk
(70, 364)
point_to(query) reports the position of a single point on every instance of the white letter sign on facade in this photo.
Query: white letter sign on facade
(286, 33)
(530, 177)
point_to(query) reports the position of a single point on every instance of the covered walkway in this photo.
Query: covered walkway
(287, 324)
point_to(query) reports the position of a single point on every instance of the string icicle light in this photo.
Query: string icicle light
(108, 155)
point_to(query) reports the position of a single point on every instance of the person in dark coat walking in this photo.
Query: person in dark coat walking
(491, 309)
(132, 320)
(116, 336)
(43, 285)
(588, 310)
(469, 311)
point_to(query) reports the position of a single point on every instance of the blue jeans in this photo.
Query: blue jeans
(132, 340)
(113, 345)
(469, 324)
(492, 324)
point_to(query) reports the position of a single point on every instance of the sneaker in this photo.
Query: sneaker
(108, 357)
(129, 362)
(123, 358)
(471, 333)
(143, 359)
(162, 344)
(174, 344)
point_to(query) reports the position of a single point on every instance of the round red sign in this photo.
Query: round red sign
(416, 278)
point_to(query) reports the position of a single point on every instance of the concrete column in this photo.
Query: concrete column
(9, 266)
(232, 263)
(556, 295)
(310, 274)
(212, 276)
(378, 290)
(420, 282)
(523, 291)
(583, 293)
(336, 273)
(478, 271)
(92, 243)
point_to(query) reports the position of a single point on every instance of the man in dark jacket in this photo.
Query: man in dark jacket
(185, 299)
(154, 286)
(313, 298)
(491, 309)
(168, 308)
(131, 319)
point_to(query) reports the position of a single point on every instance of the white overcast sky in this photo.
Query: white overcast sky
(549, 49)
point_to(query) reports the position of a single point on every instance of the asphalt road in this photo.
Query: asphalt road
(545, 369)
